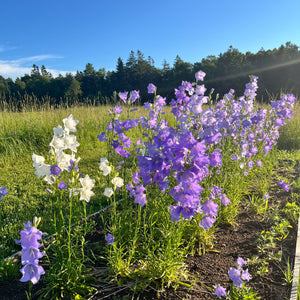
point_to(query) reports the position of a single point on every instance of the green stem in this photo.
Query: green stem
(85, 230)
(266, 206)
(60, 210)
(69, 229)
(114, 207)
(85, 217)
(132, 250)
(29, 291)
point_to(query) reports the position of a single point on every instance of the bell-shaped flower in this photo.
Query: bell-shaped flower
(30, 255)
(50, 179)
(37, 160)
(62, 185)
(123, 96)
(200, 75)
(110, 239)
(105, 169)
(55, 170)
(209, 207)
(283, 185)
(207, 222)
(3, 192)
(245, 275)
(86, 194)
(30, 237)
(241, 262)
(134, 95)
(224, 199)
(220, 291)
(87, 182)
(42, 170)
(32, 272)
(102, 137)
(151, 88)
(103, 160)
(57, 143)
(64, 160)
(70, 124)
(235, 276)
(175, 212)
(58, 131)
(108, 192)
(70, 142)
(117, 182)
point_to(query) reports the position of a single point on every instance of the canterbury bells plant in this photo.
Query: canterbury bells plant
(31, 254)
(67, 186)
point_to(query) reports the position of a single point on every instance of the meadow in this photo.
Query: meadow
(172, 176)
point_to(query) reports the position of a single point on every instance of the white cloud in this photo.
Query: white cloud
(19, 67)
(35, 58)
(6, 48)
(11, 70)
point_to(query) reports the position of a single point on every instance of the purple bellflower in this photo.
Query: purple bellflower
(31, 254)
(151, 88)
(123, 96)
(134, 95)
(62, 185)
(3, 192)
(55, 170)
(110, 239)
(283, 185)
(102, 137)
(220, 291)
(200, 75)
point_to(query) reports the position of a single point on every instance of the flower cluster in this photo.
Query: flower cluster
(179, 160)
(117, 181)
(133, 96)
(104, 166)
(31, 253)
(175, 153)
(86, 188)
(137, 192)
(3, 192)
(117, 139)
(61, 141)
(237, 275)
(63, 149)
(250, 129)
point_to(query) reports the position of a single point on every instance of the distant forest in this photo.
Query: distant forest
(278, 71)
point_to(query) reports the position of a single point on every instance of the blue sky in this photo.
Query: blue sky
(64, 35)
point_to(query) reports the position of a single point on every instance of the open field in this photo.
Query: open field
(148, 246)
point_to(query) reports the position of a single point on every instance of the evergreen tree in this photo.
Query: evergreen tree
(35, 70)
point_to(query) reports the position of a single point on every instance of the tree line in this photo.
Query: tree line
(278, 71)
